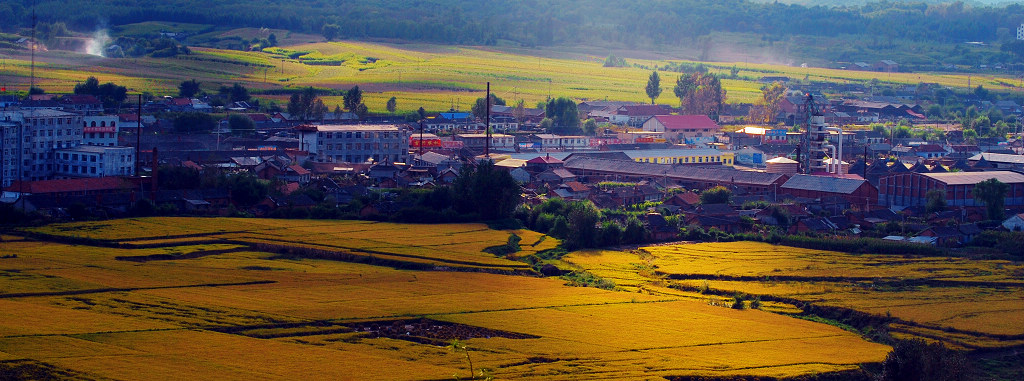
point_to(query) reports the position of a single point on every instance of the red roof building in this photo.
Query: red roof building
(71, 187)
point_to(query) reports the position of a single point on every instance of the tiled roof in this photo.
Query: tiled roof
(823, 184)
(719, 174)
(679, 122)
(69, 185)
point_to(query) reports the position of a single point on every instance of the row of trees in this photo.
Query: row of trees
(698, 92)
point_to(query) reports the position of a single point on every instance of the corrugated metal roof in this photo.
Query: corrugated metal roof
(823, 184)
(967, 178)
(999, 158)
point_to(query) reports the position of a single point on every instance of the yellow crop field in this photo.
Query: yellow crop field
(226, 311)
(965, 303)
(431, 76)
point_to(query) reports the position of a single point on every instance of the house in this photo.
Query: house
(689, 129)
(638, 114)
(1015, 223)
(686, 200)
(660, 229)
(886, 66)
(929, 151)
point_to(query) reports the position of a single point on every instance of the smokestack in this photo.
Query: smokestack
(487, 124)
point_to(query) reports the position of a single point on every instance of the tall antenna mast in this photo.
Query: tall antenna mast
(32, 48)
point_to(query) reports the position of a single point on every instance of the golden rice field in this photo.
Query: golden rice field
(964, 303)
(431, 76)
(240, 313)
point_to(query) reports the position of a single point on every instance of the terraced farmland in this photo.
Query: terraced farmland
(968, 304)
(79, 304)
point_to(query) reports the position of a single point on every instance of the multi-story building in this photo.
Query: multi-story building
(29, 140)
(1020, 32)
(911, 188)
(500, 142)
(94, 161)
(100, 130)
(355, 143)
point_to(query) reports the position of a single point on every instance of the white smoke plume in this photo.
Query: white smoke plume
(97, 42)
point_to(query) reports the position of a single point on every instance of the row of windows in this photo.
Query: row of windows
(359, 146)
(103, 123)
(358, 135)
(686, 160)
(102, 135)
(38, 121)
(363, 158)
(60, 132)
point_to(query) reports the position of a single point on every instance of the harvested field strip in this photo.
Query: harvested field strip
(105, 290)
(171, 257)
(877, 281)
(325, 252)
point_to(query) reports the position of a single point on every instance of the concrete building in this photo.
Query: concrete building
(910, 188)
(29, 138)
(355, 143)
(1020, 32)
(94, 161)
(682, 156)
(500, 142)
(100, 130)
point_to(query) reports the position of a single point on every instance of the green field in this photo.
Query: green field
(88, 308)
(420, 75)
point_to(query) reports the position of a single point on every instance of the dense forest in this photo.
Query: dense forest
(538, 23)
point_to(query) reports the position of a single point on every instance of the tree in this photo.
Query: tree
(653, 86)
(936, 201)
(716, 195)
(772, 96)
(421, 113)
(189, 122)
(914, 360)
(352, 98)
(306, 105)
(241, 124)
(34, 90)
(519, 112)
(486, 191)
(583, 219)
(239, 93)
(392, 104)
(188, 89)
(361, 110)
(330, 31)
(992, 193)
(318, 110)
(700, 93)
(479, 108)
(564, 116)
(590, 127)
(634, 231)
(108, 93)
(246, 189)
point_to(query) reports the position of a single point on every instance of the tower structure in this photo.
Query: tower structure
(814, 137)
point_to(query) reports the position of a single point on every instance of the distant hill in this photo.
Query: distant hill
(643, 24)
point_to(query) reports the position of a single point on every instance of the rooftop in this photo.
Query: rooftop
(824, 184)
(968, 178)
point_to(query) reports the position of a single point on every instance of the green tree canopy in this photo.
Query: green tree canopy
(716, 195)
(189, 122)
(241, 124)
(188, 89)
(392, 104)
(352, 98)
(479, 108)
(110, 94)
(653, 88)
(564, 116)
(992, 193)
(486, 191)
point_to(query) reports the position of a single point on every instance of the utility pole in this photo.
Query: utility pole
(32, 49)
(487, 124)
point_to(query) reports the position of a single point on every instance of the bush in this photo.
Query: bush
(917, 360)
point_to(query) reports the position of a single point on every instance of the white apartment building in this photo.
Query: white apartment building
(95, 161)
(29, 139)
(356, 143)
